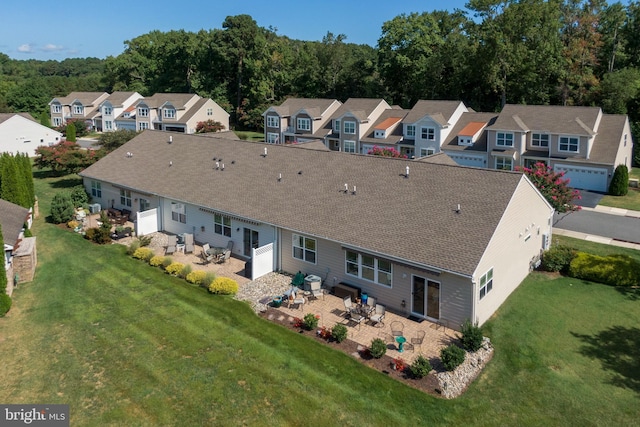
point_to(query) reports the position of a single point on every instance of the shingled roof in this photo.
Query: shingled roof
(12, 219)
(451, 143)
(385, 216)
(441, 111)
(292, 105)
(553, 119)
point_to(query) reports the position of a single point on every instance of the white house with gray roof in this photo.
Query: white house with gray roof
(21, 133)
(440, 242)
(299, 120)
(112, 107)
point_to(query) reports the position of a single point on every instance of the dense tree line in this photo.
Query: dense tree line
(564, 52)
(16, 180)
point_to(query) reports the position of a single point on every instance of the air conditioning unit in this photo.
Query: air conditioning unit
(95, 208)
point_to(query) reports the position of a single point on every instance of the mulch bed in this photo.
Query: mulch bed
(428, 384)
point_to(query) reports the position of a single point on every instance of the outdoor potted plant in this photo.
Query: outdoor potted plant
(398, 364)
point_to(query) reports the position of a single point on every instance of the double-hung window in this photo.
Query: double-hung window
(272, 138)
(209, 111)
(336, 126)
(78, 109)
(540, 140)
(368, 267)
(108, 111)
(178, 212)
(504, 139)
(56, 108)
(57, 121)
(169, 113)
(428, 133)
(273, 121)
(96, 189)
(486, 283)
(303, 124)
(569, 143)
(143, 125)
(125, 197)
(222, 225)
(304, 248)
(350, 128)
(504, 163)
(349, 146)
(411, 131)
(143, 112)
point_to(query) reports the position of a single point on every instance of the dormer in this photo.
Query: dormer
(168, 111)
(382, 130)
(469, 134)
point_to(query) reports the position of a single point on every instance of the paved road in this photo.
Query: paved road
(621, 226)
(87, 143)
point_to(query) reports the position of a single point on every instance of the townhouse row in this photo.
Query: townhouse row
(583, 142)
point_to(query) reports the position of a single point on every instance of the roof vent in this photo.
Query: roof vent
(279, 177)
(170, 163)
(406, 172)
(458, 208)
(354, 190)
(265, 152)
(170, 139)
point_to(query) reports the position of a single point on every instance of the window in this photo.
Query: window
(169, 113)
(108, 125)
(304, 248)
(209, 111)
(428, 134)
(303, 124)
(504, 163)
(540, 140)
(369, 268)
(144, 205)
(143, 112)
(336, 125)
(486, 283)
(56, 108)
(143, 125)
(568, 143)
(78, 109)
(222, 225)
(272, 138)
(96, 189)
(273, 121)
(57, 121)
(424, 152)
(349, 146)
(108, 111)
(125, 197)
(411, 131)
(178, 212)
(504, 139)
(350, 128)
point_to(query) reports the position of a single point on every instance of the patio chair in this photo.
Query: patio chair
(172, 241)
(348, 306)
(417, 340)
(188, 243)
(377, 318)
(224, 256)
(397, 328)
(316, 289)
(206, 255)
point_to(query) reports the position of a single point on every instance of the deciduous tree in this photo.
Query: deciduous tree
(553, 187)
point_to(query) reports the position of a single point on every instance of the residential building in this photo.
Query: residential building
(436, 241)
(19, 252)
(21, 133)
(76, 105)
(112, 107)
(467, 140)
(352, 121)
(299, 120)
(386, 132)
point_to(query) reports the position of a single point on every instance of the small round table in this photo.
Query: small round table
(401, 340)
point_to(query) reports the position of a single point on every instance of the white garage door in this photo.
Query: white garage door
(584, 178)
(467, 160)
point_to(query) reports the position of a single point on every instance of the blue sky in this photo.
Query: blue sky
(45, 30)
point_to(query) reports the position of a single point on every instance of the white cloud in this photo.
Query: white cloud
(52, 47)
(25, 48)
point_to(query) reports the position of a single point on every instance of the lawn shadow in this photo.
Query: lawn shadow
(631, 292)
(618, 349)
(67, 183)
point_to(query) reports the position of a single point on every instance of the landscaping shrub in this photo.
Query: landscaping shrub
(79, 196)
(339, 332)
(174, 268)
(5, 304)
(614, 270)
(452, 357)
(242, 135)
(196, 277)
(166, 262)
(27, 232)
(558, 258)
(73, 224)
(223, 286)
(144, 240)
(156, 261)
(310, 321)
(620, 182)
(471, 336)
(420, 367)
(99, 235)
(378, 348)
(185, 271)
(62, 209)
(143, 253)
(208, 279)
(133, 246)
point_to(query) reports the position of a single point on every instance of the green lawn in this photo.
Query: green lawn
(124, 344)
(630, 201)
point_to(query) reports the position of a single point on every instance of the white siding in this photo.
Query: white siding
(21, 135)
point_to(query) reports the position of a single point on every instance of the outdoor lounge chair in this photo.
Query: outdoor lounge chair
(188, 243)
(316, 289)
(397, 328)
(377, 318)
(416, 341)
(348, 306)
(172, 241)
(207, 257)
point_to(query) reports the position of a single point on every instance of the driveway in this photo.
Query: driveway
(590, 199)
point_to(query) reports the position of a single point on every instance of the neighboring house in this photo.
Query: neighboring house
(76, 105)
(581, 141)
(172, 112)
(441, 242)
(12, 218)
(299, 120)
(352, 121)
(428, 125)
(21, 133)
(386, 132)
(112, 107)
(467, 140)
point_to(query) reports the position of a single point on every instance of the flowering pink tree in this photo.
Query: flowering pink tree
(386, 152)
(553, 187)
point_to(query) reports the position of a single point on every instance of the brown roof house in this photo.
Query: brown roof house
(76, 105)
(434, 241)
(581, 141)
(112, 107)
(386, 132)
(13, 219)
(299, 120)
